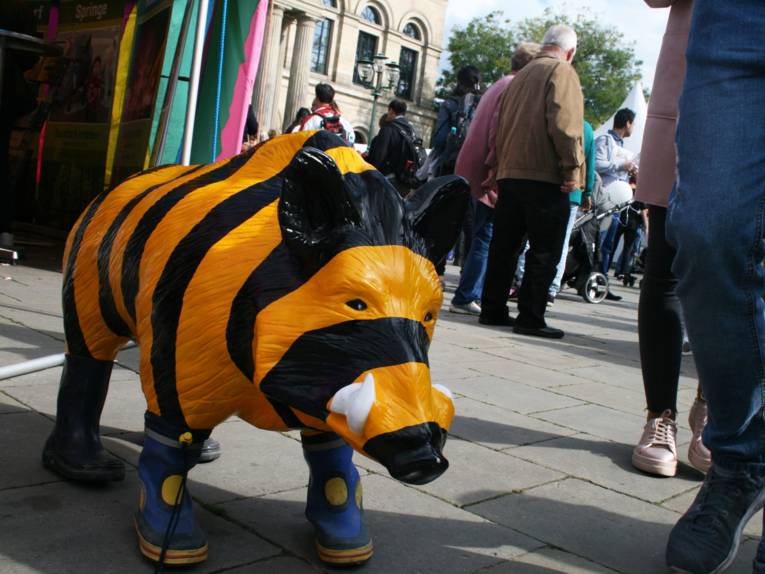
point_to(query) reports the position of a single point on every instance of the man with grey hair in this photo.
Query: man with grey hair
(539, 162)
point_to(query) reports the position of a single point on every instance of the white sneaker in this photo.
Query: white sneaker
(472, 308)
(656, 453)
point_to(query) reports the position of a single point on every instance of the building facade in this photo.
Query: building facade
(312, 41)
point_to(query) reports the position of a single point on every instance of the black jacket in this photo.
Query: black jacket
(386, 149)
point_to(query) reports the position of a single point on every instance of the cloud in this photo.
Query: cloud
(640, 24)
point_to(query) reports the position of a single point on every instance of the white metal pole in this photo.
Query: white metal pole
(40, 364)
(196, 68)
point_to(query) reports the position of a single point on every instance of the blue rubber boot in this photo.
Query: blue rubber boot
(335, 501)
(759, 560)
(162, 469)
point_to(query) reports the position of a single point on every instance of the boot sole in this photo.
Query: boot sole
(347, 557)
(79, 474)
(173, 557)
(652, 467)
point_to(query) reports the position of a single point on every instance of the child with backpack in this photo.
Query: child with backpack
(325, 115)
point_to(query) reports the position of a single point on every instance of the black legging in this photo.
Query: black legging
(659, 319)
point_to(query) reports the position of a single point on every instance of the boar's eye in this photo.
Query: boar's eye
(357, 305)
(428, 316)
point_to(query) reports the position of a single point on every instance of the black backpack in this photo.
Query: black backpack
(412, 156)
(459, 123)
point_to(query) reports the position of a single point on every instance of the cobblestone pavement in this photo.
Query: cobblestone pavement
(540, 478)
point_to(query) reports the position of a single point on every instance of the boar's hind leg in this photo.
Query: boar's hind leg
(74, 448)
(334, 501)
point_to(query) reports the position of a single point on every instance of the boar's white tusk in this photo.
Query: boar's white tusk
(355, 401)
(445, 391)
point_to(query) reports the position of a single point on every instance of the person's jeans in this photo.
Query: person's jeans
(555, 286)
(539, 210)
(608, 244)
(471, 280)
(716, 221)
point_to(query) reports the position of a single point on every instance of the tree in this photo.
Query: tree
(483, 43)
(606, 64)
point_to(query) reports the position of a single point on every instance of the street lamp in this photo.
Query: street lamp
(380, 76)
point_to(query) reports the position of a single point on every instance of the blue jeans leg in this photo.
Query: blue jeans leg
(607, 246)
(555, 287)
(471, 280)
(716, 221)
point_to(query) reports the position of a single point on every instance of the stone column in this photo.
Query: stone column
(297, 91)
(266, 89)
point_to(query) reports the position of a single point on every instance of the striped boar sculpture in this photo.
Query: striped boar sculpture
(290, 286)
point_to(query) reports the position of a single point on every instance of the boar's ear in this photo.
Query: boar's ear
(314, 205)
(436, 211)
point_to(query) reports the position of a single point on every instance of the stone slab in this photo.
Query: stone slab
(599, 421)
(498, 428)
(609, 528)
(67, 528)
(412, 532)
(531, 375)
(21, 465)
(549, 561)
(9, 405)
(510, 395)
(476, 473)
(607, 464)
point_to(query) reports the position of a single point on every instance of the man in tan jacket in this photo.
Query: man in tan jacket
(539, 161)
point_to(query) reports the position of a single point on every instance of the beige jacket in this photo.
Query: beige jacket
(657, 156)
(540, 124)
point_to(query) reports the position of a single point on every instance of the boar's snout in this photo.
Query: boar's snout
(412, 454)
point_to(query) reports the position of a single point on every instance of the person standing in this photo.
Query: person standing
(613, 163)
(473, 164)
(540, 161)
(660, 323)
(393, 146)
(715, 222)
(325, 115)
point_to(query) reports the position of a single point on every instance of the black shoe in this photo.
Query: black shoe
(550, 300)
(497, 321)
(210, 450)
(74, 449)
(611, 297)
(545, 332)
(706, 538)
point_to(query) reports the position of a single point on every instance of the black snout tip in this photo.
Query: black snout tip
(412, 454)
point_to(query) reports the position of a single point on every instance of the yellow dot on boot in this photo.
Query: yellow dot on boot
(170, 487)
(359, 494)
(336, 491)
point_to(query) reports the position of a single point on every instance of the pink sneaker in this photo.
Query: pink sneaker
(656, 453)
(698, 454)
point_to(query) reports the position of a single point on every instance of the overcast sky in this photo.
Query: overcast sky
(640, 24)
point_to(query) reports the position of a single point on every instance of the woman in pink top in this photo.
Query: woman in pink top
(473, 164)
(659, 314)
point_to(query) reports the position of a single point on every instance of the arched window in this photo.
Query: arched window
(330, 3)
(371, 14)
(412, 31)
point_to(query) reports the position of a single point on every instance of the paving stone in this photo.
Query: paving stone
(616, 375)
(476, 473)
(541, 355)
(548, 561)
(9, 405)
(20, 343)
(123, 411)
(23, 436)
(412, 532)
(498, 428)
(609, 528)
(531, 375)
(278, 565)
(67, 528)
(607, 464)
(630, 400)
(599, 421)
(510, 394)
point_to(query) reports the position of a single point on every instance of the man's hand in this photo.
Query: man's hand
(630, 167)
(569, 186)
(586, 203)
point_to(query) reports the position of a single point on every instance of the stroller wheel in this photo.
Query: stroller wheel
(595, 289)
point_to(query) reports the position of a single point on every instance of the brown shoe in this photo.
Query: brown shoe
(698, 455)
(656, 453)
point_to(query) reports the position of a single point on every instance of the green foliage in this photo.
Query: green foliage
(484, 43)
(606, 64)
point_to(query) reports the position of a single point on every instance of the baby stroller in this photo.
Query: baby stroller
(580, 272)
